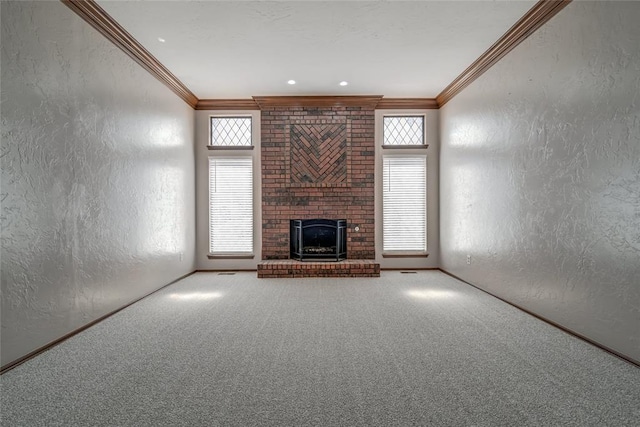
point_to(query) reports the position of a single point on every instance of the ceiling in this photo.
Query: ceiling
(240, 49)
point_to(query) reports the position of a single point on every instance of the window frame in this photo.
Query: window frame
(405, 252)
(212, 146)
(236, 151)
(236, 254)
(406, 146)
(412, 150)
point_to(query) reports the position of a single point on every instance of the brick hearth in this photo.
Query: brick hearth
(288, 268)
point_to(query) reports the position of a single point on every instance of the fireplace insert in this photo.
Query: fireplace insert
(318, 239)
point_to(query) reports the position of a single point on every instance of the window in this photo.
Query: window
(231, 205)
(231, 131)
(403, 130)
(404, 185)
(404, 200)
(231, 192)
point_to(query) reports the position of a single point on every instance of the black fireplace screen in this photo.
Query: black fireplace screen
(318, 239)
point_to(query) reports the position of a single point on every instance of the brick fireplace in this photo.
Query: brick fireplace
(317, 163)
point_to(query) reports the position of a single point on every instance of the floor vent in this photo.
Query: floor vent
(227, 273)
(408, 272)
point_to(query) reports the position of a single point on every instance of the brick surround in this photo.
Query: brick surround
(317, 163)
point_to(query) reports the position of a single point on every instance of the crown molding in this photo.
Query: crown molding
(317, 101)
(540, 13)
(227, 104)
(369, 101)
(407, 103)
(99, 19)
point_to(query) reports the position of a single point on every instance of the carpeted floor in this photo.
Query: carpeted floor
(403, 350)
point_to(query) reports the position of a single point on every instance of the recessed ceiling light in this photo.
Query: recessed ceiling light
(161, 40)
(291, 82)
(343, 83)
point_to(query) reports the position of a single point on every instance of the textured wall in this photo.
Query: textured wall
(330, 195)
(97, 177)
(540, 175)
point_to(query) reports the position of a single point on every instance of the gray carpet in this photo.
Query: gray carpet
(402, 350)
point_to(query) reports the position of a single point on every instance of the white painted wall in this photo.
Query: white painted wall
(540, 175)
(97, 177)
(432, 138)
(202, 140)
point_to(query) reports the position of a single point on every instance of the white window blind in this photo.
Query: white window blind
(404, 221)
(230, 205)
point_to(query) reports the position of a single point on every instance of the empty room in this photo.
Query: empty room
(320, 213)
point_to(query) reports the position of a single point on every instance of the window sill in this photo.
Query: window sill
(231, 256)
(230, 147)
(405, 255)
(413, 147)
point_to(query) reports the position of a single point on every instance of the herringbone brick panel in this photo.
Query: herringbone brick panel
(318, 153)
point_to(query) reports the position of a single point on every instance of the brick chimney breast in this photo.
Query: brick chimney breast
(318, 163)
